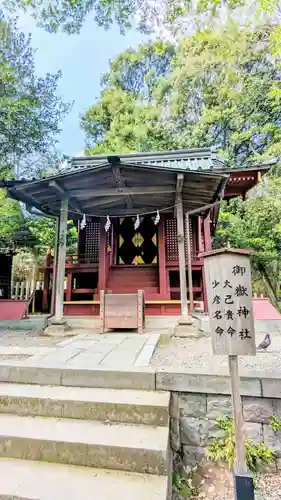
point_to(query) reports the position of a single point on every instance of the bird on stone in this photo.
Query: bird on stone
(265, 343)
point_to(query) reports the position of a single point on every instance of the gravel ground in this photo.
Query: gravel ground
(196, 354)
(218, 485)
(269, 487)
(26, 338)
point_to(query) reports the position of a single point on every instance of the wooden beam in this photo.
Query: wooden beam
(55, 268)
(182, 268)
(178, 197)
(133, 191)
(61, 261)
(100, 202)
(119, 212)
(64, 194)
(121, 184)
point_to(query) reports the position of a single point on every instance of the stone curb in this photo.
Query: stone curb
(258, 384)
(142, 378)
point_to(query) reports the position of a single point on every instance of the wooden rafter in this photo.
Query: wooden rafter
(121, 184)
(63, 194)
(134, 191)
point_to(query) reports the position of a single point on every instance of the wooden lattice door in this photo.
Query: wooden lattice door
(89, 242)
(171, 239)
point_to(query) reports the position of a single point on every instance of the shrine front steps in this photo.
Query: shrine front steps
(55, 374)
(120, 447)
(26, 480)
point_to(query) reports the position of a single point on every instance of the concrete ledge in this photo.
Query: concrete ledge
(212, 384)
(142, 378)
(29, 480)
(37, 323)
(132, 378)
(29, 374)
(271, 386)
(111, 405)
(136, 448)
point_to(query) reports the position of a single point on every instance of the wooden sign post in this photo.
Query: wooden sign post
(229, 294)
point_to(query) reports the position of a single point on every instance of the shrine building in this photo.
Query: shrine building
(142, 221)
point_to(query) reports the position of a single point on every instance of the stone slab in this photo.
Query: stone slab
(193, 405)
(131, 378)
(69, 340)
(196, 382)
(271, 387)
(29, 350)
(142, 378)
(134, 448)
(219, 406)
(145, 355)
(86, 360)
(153, 339)
(61, 355)
(258, 410)
(37, 480)
(30, 374)
(82, 343)
(118, 338)
(121, 357)
(125, 406)
(35, 324)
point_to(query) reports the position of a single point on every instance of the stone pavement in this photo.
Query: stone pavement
(88, 350)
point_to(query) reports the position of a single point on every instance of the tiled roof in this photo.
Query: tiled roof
(184, 159)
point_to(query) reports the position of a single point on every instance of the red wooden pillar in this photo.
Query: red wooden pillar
(207, 234)
(68, 286)
(69, 281)
(163, 285)
(200, 239)
(207, 246)
(102, 257)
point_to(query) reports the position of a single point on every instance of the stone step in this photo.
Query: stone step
(114, 405)
(28, 480)
(30, 372)
(127, 447)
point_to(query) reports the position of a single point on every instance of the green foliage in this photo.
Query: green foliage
(30, 117)
(43, 231)
(275, 423)
(148, 16)
(224, 92)
(126, 117)
(219, 89)
(223, 450)
(30, 110)
(185, 485)
(255, 225)
(11, 219)
(71, 14)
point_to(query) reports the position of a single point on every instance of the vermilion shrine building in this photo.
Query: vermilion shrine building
(142, 200)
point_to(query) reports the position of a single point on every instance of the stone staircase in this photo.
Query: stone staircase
(70, 443)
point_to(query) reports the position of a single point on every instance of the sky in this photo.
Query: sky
(82, 59)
